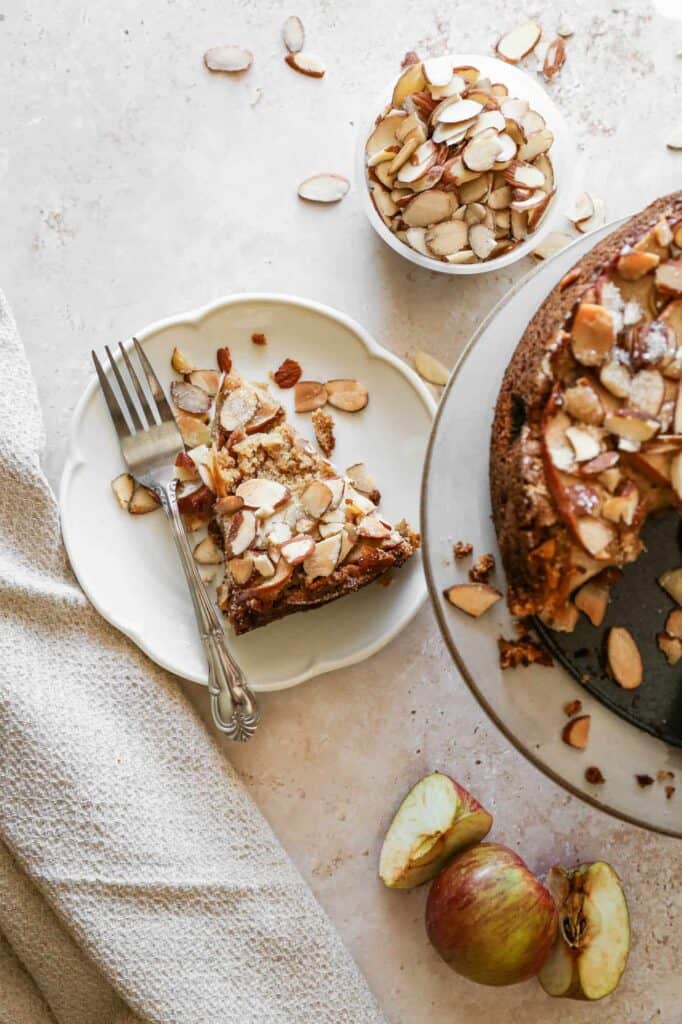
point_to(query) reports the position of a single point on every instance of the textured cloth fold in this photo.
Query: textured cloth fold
(138, 881)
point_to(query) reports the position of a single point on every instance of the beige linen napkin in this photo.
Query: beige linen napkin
(138, 881)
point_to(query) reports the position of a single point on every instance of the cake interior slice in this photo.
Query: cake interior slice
(587, 439)
(296, 532)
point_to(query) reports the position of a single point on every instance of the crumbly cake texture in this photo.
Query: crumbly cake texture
(296, 532)
(601, 346)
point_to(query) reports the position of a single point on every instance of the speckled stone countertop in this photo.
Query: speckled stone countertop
(134, 185)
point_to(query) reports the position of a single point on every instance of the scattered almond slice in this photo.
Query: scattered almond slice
(190, 398)
(624, 659)
(671, 647)
(555, 57)
(207, 552)
(293, 34)
(306, 64)
(671, 581)
(192, 429)
(361, 479)
(482, 241)
(596, 220)
(208, 573)
(123, 487)
(207, 380)
(180, 362)
(309, 395)
(473, 598)
(348, 395)
(518, 43)
(324, 188)
(576, 733)
(229, 58)
(592, 599)
(553, 243)
(668, 277)
(316, 499)
(241, 534)
(323, 559)
(142, 501)
(430, 369)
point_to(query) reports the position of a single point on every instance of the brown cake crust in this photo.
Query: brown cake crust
(523, 511)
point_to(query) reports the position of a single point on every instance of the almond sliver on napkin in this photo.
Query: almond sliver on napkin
(120, 816)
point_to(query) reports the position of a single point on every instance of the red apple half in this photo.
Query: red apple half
(437, 818)
(592, 945)
(490, 918)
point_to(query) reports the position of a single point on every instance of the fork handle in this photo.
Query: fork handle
(224, 675)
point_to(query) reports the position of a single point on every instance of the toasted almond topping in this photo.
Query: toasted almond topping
(297, 549)
(374, 528)
(193, 429)
(518, 43)
(430, 369)
(180, 362)
(207, 552)
(671, 647)
(229, 504)
(293, 34)
(238, 408)
(671, 581)
(306, 64)
(309, 395)
(207, 380)
(348, 395)
(228, 58)
(592, 599)
(636, 263)
(323, 560)
(324, 188)
(241, 534)
(669, 278)
(241, 569)
(625, 661)
(123, 487)
(576, 733)
(473, 598)
(259, 492)
(142, 501)
(316, 499)
(592, 334)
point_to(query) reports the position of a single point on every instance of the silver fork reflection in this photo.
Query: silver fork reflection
(150, 441)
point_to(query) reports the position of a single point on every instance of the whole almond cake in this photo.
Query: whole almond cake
(587, 435)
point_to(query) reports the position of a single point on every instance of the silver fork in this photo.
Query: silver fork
(150, 441)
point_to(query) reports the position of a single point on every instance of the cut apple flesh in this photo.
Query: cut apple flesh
(437, 819)
(593, 942)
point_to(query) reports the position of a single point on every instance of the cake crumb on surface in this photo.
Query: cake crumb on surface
(461, 549)
(323, 425)
(482, 568)
(514, 653)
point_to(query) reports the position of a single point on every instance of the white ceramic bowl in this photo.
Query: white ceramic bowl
(562, 153)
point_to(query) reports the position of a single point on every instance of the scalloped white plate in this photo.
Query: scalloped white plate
(525, 703)
(127, 565)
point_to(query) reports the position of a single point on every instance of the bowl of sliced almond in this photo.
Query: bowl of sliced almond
(467, 164)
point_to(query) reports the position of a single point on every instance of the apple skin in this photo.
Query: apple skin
(490, 918)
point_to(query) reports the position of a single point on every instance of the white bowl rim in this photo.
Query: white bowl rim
(562, 134)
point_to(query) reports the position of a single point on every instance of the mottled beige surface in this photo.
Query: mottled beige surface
(135, 185)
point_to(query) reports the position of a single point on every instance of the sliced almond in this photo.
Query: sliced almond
(262, 563)
(385, 133)
(592, 599)
(416, 239)
(180, 362)
(596, 220)
(348, 395)
(595, 535)
(229, 504)
(615, 378)
(482, 151)
(624, 659)
(228, 58)
(309, 395)
(306, 64)
(473, 598)
(207, 552)
(500, 198)
(419, 163)
(430, 368)
(190, 398)
(193, 430)
(259, 492)
(518, 43)
(123, 487)
(671, 581)
(428, 208)
(585, 446)
(296, 550)
(646, 392)
(412, 80)
(142, 501)
(373, 528)
(576, 733)
(673, 624)
(458, 111)
(273, 585)
(360, 478)
(473, 191)
(323, 559)
(633, 265)
(437, 71)
(671, 647)
(482, 240)
(524, 175)
(584, 207)
(241, 569)
(316, 499)
(553, 243)
(538, 142)
(668, 278)
(293, 34)
(631, 425)
(582, 402)
(447, 237)
(324, 188)
(464, 256)
(621, 507)
(207, 380)
(241, 534)
(238, 408)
